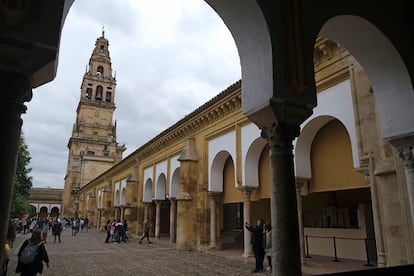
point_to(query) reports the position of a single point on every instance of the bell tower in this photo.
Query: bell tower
(92, 147)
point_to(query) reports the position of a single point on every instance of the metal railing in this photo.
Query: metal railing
(334, 238)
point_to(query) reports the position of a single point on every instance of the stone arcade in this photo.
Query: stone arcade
(276, 42)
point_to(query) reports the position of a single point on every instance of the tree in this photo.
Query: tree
(22, 181)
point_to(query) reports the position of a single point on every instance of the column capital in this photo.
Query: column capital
(281, 133)
(407, 156)
(300, 182)
(246, 191)
(405, 147)
(15, 90)
(215, 195)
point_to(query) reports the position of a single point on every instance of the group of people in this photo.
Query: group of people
(261, 241)
(116, 231)
(78, 225)
(54, 225)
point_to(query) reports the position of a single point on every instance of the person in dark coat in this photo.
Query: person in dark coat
(108, 231)
(37, 266)
(146, 231)
(57, 228)
(257, 243)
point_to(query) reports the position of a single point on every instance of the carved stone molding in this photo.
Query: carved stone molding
(324, 51)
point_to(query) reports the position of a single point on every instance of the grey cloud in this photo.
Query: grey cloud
(159, 79)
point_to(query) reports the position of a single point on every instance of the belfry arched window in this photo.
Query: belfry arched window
(100, 69)
(99, 93)
(88, 93)
(108, 97)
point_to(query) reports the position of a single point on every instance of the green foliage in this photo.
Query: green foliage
(19, 206)
(22, 181)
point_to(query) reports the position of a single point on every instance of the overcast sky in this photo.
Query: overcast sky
(170, 56)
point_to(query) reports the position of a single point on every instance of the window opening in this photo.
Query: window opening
(108, 97)
(98, 93)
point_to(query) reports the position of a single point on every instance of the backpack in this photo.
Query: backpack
(29, 253)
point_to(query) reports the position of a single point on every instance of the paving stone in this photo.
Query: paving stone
(86, 254)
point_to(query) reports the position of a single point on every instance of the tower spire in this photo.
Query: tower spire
(103, 30)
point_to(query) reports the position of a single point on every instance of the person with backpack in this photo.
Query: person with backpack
(31, 256)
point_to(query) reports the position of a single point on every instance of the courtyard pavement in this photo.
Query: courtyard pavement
(87, 254)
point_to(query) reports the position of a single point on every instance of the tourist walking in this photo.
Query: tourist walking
(75, 227)
(45, 229)
(31, 256)
(257, 243)
(86, 224)
(146, 231)
(57, 228)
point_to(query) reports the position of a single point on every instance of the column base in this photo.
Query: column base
(213, 247)
(247, 255)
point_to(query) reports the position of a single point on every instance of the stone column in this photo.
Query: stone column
(116, 213)
(407, 155)
(405, 147)
(122, 213)
(213, 220)
(246, 191)
(15, 89)
(299, 186)
(146, 206)
(157, 218)
(173, 220)
(378, 224)
(285, 234)
(98, 223)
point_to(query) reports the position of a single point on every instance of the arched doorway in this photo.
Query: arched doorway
(54, 212)
(43, 212)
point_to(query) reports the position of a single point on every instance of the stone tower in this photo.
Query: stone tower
(92, 147)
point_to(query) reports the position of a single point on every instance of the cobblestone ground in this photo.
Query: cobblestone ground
(86, 254)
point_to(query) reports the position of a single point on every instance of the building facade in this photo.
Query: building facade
(47, 202)
(202, 178)
(279, 94)
(93, 147)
